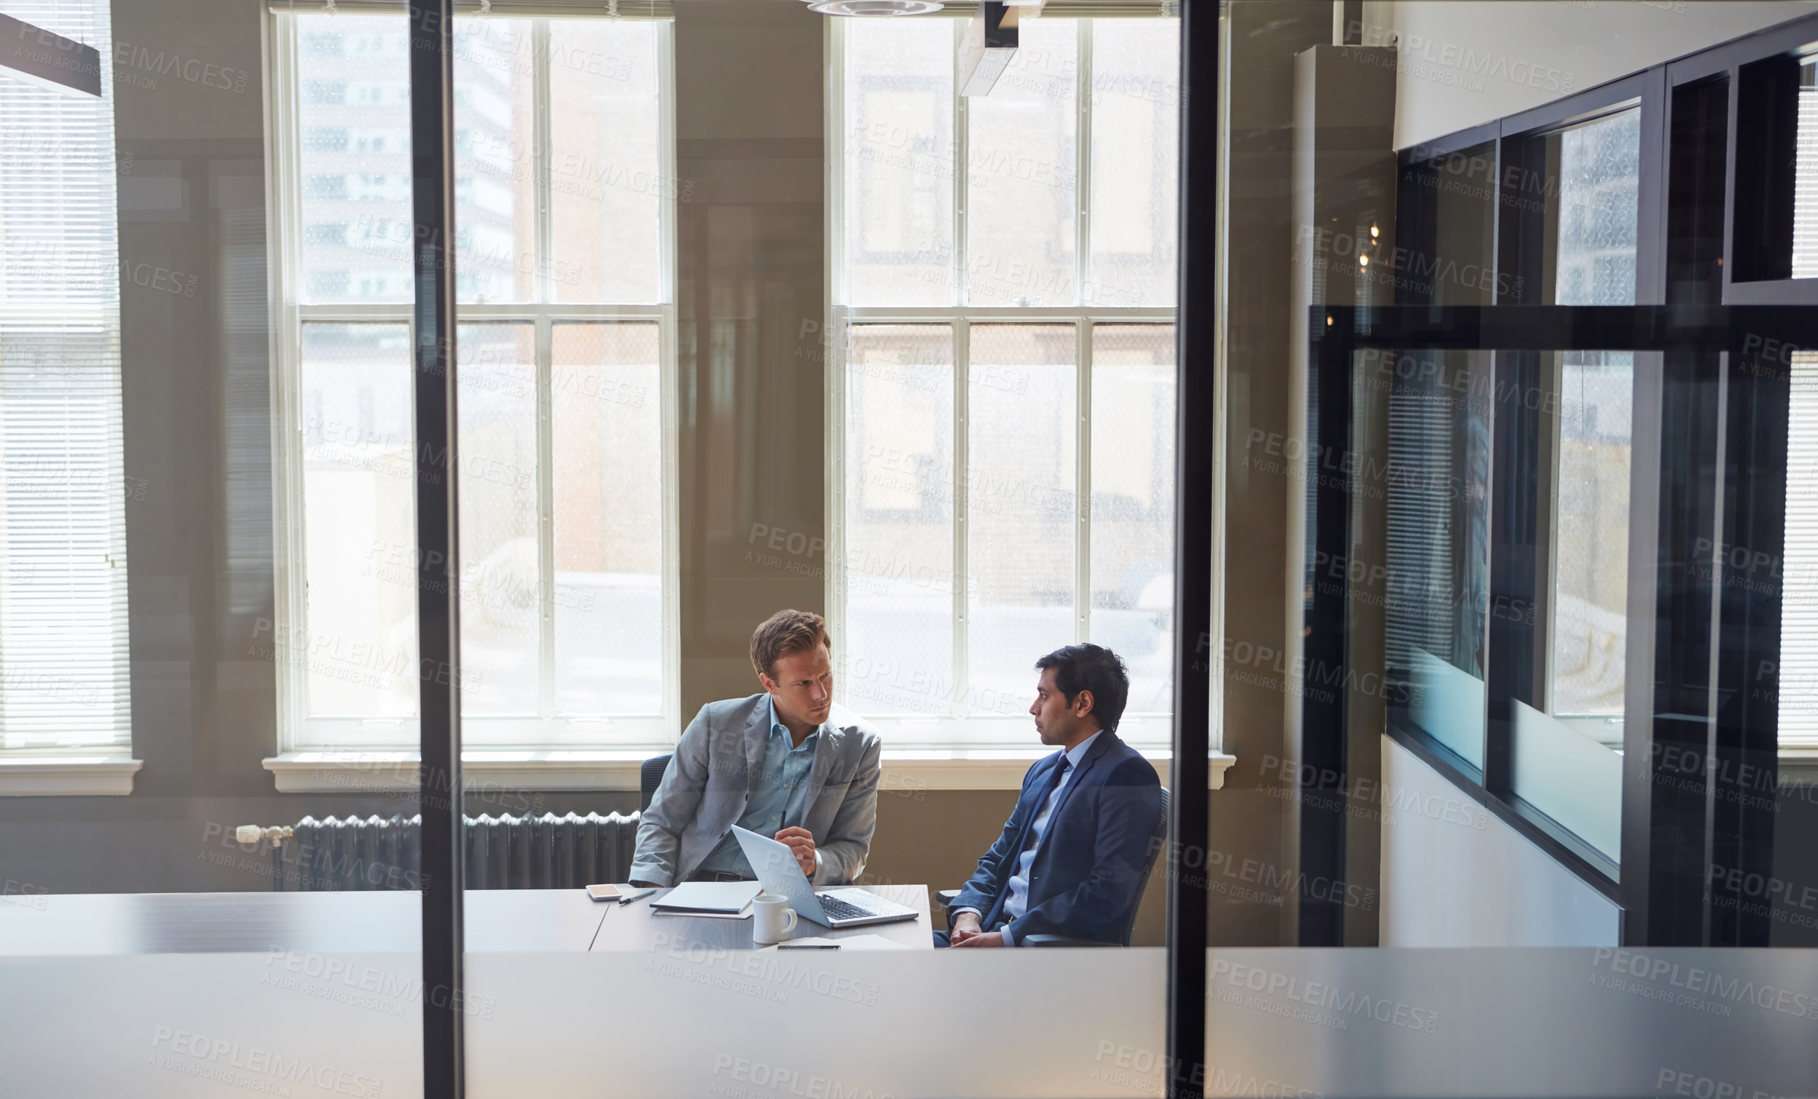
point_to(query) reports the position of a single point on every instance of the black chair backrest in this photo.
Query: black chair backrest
(1158, 839)
(651, 776)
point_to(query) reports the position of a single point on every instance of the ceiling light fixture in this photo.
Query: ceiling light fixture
(986, 50)
(875, 7)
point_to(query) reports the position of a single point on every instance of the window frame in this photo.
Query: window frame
(984, 735)
(94, 769)
(588, 751)
(1524, 473)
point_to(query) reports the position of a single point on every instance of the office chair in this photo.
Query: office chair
(650, 776)
(1158, 838)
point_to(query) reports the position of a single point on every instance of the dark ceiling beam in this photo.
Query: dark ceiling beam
(35, 53)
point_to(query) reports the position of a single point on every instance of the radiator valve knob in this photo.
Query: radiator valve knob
(252, 833)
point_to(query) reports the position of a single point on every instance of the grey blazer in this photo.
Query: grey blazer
(703, 793)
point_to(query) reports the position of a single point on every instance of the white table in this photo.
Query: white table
(497, 921)
(635, 927)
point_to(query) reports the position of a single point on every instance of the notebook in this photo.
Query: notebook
(723, 899)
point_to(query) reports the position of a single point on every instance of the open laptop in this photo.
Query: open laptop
(779, 873)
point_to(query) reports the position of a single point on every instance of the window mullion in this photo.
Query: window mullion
(961, 196)
(962, 371)
(1082, 162)
(671, 555)
(290, 603)
(546, 602)
(1082, 224)
(542, 242)
(668, 371)
(1082, 500)
(543, 235)
(833, 321)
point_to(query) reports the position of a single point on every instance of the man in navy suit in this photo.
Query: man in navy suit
(1071, 859)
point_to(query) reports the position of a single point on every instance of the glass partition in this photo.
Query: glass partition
(1425, 388)
(1640, 620)
(169, 431)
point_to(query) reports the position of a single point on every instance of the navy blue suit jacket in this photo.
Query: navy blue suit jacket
(1088, 876)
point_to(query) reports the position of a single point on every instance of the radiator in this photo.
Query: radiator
(503, 852)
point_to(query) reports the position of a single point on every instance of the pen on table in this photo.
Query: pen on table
(638, 896)
(807, 946)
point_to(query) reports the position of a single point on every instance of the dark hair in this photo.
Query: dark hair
(786, 632)
(1091, 668)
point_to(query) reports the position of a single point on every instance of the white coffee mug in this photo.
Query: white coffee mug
(771, 920)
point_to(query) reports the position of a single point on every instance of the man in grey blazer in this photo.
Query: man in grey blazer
(785, 762)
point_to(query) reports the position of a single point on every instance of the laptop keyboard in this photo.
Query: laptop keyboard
(837, 909)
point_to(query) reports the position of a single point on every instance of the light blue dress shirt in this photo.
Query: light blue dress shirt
(1017, 900)
(778, 797)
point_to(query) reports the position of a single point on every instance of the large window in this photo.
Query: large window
(1798, 679)
(63, 487)
(564, 212)
(1003, 382)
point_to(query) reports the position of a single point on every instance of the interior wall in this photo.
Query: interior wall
(1254, 878)
(750, 283)
(1344, 191)
(1467, 62)
(1453, 874)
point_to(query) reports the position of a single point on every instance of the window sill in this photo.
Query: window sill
(343, 772)
(68, 776)
(1798, 766)
(312, 772)
(1003, 769)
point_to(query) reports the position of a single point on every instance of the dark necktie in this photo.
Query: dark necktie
(995, 915)
(1053, 784)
